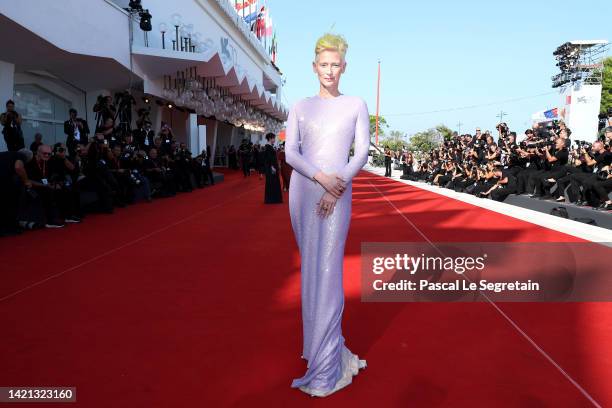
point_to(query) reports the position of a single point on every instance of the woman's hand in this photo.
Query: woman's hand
(332, 183)
(326, 204)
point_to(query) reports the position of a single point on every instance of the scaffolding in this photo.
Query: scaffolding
(580, 62)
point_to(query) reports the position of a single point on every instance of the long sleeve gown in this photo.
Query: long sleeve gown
(320, 132)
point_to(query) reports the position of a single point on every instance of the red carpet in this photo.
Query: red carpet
(193, 301)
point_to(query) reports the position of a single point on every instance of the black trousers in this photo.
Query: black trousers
(459, 185)
(387, 168)
(246, 167)
(596, 190)
(500, 194)
(522, 177)
(443, 180)
(208, 175)
(584, 180)
(532, 179)
(564, 181)
(541, 183)
(9, 204)
(602, 188)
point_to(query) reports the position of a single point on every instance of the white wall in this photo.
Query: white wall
(582, 112)
(89, 27)
(212, 22)
(75, 96)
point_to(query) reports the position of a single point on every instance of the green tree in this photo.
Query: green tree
(425, 141)
(606, 89)
(382, 124)
(446, 132)
(395, 140)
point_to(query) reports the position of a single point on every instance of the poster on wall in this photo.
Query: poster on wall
(581, 108)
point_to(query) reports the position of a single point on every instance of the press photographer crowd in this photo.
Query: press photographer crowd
(547, 164)
(44, 185)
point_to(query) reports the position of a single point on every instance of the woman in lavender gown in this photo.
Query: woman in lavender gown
(320, 131)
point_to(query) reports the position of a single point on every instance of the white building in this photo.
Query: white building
(64, 53)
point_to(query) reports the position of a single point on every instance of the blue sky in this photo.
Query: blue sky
(439, 54)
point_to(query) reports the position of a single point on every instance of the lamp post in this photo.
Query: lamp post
(163, 28)
(176, 20)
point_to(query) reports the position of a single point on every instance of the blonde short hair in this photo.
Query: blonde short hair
(331, 42)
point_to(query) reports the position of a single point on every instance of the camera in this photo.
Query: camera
(503, 128)
(134, 177)
(583, 144)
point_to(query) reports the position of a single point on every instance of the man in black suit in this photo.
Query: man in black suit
(77, 132)
(11, 128)
(273, 194)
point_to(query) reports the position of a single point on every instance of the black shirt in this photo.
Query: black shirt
(38, 170)
(511, 178)
(562, 156)
(602, 160)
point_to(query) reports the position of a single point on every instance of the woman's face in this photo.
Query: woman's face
(329, 66)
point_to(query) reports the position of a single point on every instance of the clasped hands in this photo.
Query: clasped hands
(334, 186)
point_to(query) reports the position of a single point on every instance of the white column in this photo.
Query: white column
(7, 88)
(214, 144)
(156, 117)
(192, 133)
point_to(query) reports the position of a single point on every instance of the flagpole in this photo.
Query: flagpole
(265, 16)
(377, 101)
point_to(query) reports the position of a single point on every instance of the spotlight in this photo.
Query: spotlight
(170, 106)
(146, 99)
(135, 4)
(145, 20)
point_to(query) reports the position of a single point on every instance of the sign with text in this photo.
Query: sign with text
(474, 272)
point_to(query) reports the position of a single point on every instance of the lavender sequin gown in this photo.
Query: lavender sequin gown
(319, 135)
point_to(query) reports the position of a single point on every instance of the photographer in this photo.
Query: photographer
(206, 169)
(123, 165)
(106, 132)
(167, 140)
(46, 205)
(144, 135)
(183, 168)
(63, 173)
(582, 184)
(469, 177)
(445, 175)
(77, 132)
(13, 180)
(493, 153)
(557, 168)
(577, 164)
(408, 170)
(458, 178)
(602, 187)
(160, 176)
(11, 128)
(505, 185)
(502, 133)
(104, 110)
(485, 180)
